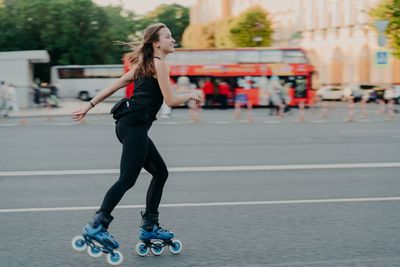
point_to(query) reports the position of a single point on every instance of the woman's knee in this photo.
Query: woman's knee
(126, 184)
(163, 174)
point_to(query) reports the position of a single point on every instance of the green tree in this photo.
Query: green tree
(222, 35)
(122, 26)
(390, 10)
(72, 31)
(175, 16)
(251, 28)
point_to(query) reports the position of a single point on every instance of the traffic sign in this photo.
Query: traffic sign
(381, 57)
(381, 25)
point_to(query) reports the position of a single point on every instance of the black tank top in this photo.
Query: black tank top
(147, 98)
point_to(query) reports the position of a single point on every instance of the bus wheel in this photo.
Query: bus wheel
(84, 96)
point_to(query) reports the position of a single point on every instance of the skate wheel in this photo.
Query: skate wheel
(94, 251)
(176, 247)
(115, 258)
(78, 243)
(141, 249)
(157, 249)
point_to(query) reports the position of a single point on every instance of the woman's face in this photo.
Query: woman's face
(166, 43)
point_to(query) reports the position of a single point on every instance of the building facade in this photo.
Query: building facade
(337, 35)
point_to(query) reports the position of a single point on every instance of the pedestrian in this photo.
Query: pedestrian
(224, 92)
(2, 95)
(389, 98)
(208, 91)
(9, 99)
(12, 97)
(276, 97)
(150, 75)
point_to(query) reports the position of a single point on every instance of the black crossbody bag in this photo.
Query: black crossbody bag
(121, 108)
(127, 106)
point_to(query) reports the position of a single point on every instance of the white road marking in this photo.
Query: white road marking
(272, 122)
(221, 122)
(215, 169)
(214, 204)
(369, 131)
(170, 122)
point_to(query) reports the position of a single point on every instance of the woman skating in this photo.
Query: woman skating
(150, 76)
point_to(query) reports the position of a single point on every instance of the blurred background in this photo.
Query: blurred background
(305, 45)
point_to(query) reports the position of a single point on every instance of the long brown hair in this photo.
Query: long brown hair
(143, 53)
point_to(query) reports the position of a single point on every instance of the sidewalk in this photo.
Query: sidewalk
(337, 112)
(65, 109)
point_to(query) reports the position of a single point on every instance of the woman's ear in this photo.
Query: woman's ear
(156, 44)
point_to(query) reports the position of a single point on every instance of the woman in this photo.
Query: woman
(150, 74)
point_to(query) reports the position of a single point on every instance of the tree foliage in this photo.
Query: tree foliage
(175, 16)
(222, 34)
(79, 31)
(390, 10)
(198, 36)
(251, 28)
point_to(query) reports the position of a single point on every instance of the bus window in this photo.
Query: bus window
(294, 56)
(97, 73)
(250, 56)
(271, 56)
(71, 73)
(85, 81)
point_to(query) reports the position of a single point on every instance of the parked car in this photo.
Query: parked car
(330, 93)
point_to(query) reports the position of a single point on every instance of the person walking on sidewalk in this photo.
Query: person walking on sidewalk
(9, 99)
(150, 75)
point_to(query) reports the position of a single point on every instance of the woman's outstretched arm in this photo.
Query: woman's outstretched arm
(123, 81)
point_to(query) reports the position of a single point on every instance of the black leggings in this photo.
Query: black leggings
(138, 151)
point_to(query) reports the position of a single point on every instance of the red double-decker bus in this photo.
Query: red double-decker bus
(245, 71)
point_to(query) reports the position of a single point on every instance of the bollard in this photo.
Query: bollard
(301, 111)
(236, 112)
(250, 116)
(23, 121)
(390, 108)
(350, 109)
(382, 106)
(324, 112)
(364, 111)
(49, 115)
(194, 112)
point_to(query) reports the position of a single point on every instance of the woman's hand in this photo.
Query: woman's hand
(81, 113)
(195, 96)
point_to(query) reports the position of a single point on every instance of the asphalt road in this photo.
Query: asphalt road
(239, 194)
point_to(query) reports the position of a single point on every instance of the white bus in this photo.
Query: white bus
(85, 81)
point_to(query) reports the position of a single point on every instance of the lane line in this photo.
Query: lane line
(215, 169)
(368, 131)
(215, 204)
